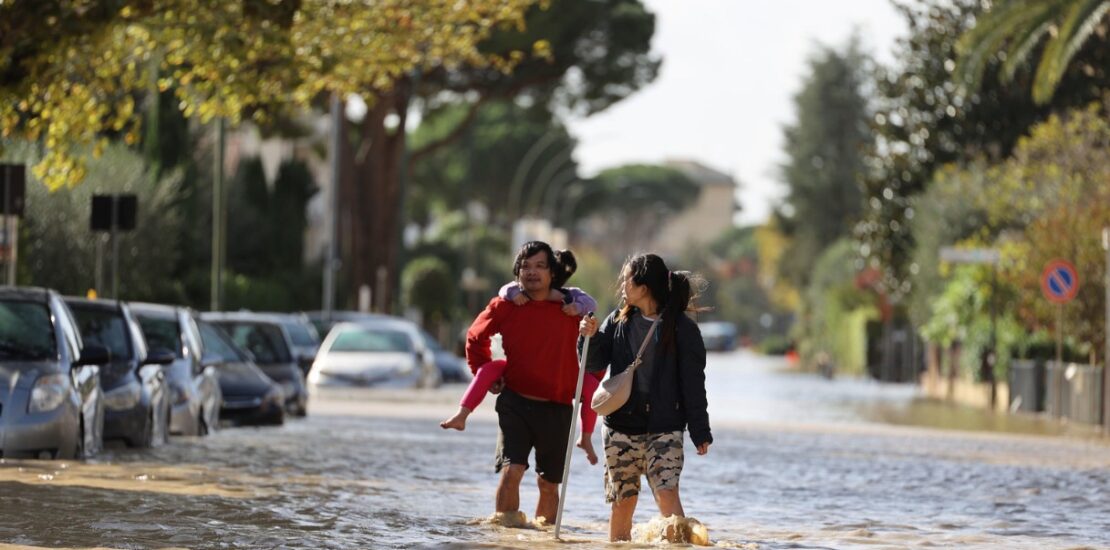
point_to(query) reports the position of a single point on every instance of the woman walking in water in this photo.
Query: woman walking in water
(645, 435)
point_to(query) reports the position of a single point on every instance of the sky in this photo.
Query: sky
(725, 90)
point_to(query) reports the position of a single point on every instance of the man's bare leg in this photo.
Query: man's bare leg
(620, 520)
(548, 504)
(508, 489)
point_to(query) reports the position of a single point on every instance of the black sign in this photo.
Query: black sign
(13, 182)
(121, 207)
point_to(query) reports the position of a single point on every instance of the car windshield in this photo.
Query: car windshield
(218, 343)
(300, 334)
(105, 328)
(26, 332)
(371, 340)
(162, 332)
(263, 340)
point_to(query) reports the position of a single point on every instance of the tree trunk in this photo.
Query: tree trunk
(371, 202)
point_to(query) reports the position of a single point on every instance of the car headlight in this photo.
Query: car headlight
(48, 393)
(123, 397)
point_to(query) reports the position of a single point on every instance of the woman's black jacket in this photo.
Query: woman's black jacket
(676, 400)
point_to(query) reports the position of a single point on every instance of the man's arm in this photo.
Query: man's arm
(478, 335)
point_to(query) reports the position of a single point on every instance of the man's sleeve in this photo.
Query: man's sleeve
(478, 335)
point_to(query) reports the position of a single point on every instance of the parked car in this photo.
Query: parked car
(324, 321)
(718, 335)
(136, 394)
(51, 404)
(194, 388)
(452, 368)
(250, 397)
(303, 338)
(262, 335)
(389, 353)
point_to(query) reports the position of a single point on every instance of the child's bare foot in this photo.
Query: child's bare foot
(586, 444)
(457, 422)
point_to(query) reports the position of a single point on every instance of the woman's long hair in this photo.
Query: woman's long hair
(674, 292)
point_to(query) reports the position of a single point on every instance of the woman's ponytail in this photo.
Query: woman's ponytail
(565, 266)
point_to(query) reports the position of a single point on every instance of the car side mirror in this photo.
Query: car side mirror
(210, 360)
(94, 354)
(159, 356)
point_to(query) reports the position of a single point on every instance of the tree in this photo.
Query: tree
(824, 149)
(70, 72)
(591, 55)
(1014, 28)
(923, 120)
(58, 250)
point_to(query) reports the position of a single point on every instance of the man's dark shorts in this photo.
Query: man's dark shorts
(528, 424)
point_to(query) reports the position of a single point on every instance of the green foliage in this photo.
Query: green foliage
(835, 311)
(824, 149)
(923, 120)
(428, 285)
(58, 250)
(1012, 29)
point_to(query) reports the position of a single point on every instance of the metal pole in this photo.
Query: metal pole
(328, 301)
(115, 247)
(992, 358)
(98, 282)
(216, 275)
(9, 262)
(1106, 352)
(1060, 359)
(570, 438)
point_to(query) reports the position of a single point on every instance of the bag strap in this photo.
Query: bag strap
(643, 346)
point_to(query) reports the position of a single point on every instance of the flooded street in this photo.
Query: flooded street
(798, 462)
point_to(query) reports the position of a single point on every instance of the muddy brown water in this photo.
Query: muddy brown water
(798, 462)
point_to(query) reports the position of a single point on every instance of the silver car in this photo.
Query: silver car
(51, 404)
(194, 388)
(386, 352)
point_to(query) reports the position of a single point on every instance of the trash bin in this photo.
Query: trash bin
(1085, 389)
(1027, 385)
(1057, 396)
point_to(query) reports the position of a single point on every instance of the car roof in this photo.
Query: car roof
(247, 316)
(147, 308)
(93, 303)
(345, 315)
(30, 293)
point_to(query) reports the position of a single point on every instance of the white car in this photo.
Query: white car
(388, 352)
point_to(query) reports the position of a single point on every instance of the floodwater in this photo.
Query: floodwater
(798, 462)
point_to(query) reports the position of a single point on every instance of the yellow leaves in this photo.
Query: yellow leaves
(542, 50)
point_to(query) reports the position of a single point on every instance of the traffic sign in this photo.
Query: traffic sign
(1059, 281)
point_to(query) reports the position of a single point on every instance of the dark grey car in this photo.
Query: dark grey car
(272, 350)
(250, 397)
(136, 394)
(194, 387)
(51, 404)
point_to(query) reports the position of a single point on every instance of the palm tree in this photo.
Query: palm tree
(1015, 27)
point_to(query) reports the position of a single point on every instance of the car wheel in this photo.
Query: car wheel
(79, 445)
(202, 426)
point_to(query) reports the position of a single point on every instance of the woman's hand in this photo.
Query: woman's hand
(587, 327)
(498, 385)
(703, 448)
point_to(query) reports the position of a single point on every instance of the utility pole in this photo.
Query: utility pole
(330, 255)
(218, 223)
(1106, 351)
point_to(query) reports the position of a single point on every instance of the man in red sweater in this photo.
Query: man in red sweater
(534, 405)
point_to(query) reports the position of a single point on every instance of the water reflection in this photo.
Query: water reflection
(798, 463)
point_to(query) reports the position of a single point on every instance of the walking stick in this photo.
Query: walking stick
(570, 438)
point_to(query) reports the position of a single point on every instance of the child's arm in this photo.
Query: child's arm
(511, 291)
(578, 302)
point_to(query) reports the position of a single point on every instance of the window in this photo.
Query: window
(162, 332)
(217, 343)
(263, 340)
(103, 327)
(300, 334)
(371, 340)
(26, 332)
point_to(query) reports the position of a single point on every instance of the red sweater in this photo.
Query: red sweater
(539, 342)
